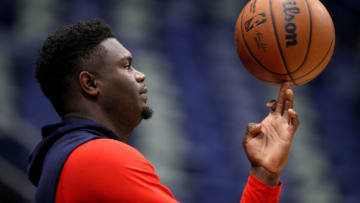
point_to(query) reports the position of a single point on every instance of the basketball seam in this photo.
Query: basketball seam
(322, 60)
(310, 39)
(315, 67)
(278, 43)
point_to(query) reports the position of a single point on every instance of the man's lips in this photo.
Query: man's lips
(143, 93)
(143, 90)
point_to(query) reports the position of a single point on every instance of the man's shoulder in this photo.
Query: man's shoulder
(100, 164)
(104, 151)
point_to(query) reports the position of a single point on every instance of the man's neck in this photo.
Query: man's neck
(121, 129)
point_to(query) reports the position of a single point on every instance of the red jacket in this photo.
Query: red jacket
(106, 170)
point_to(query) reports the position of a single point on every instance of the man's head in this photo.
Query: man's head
(83, 68)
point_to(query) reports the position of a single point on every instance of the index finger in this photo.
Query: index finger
(282, 97)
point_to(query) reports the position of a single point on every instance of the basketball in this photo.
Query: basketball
(285, 40)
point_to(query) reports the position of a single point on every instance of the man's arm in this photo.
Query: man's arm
(267, 147)
(106, 170)
(256, 191)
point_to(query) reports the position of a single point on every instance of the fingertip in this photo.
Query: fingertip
(272, 101)
(285, 85)
(289, 92)
(271, 104)
(251, 124)
(294, 117)
(254, 128)
(255, 125)
(291, 111)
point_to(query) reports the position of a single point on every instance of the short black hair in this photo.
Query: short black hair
(62, 55)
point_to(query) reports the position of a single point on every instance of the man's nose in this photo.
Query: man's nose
(139, 76)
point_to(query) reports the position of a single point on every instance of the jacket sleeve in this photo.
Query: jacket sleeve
(258, 192)
(106, 170)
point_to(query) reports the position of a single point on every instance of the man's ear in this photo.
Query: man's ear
(88, 83)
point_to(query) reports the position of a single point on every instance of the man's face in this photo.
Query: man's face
(123, 93)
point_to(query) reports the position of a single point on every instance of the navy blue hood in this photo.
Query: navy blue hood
(52, 133)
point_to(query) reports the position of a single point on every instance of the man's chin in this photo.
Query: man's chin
(147, 113)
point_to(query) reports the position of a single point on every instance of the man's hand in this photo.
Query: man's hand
(267, 144)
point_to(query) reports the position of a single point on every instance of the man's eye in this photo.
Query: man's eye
(127, 67)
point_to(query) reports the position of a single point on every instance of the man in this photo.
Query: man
(89, 78)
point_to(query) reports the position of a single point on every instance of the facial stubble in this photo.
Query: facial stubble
(147, 113)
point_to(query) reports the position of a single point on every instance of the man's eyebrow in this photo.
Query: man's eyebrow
(126, 58)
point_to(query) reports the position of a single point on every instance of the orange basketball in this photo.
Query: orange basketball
(285, 40)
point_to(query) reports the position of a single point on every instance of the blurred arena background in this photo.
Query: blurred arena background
(202, 96)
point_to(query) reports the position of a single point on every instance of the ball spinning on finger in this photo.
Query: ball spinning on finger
(285, 40)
